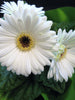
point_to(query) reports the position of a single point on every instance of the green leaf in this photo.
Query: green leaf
(51, 83)
(64, 14)
(45, 96)
(13, 87)
(69, 93)
(64, 25)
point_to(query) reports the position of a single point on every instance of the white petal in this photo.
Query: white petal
(5, 25)
(35, 63)
(42, 59)
(11, 57)
(28, 63)
(28, 22)
(3, 32)
(71, 58)
(50, 73)
(7, 50)
(46, 53)
(68, 67)
(20, 26)
(62, 71)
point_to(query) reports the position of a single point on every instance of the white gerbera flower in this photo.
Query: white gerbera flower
(11, 7)
(63, 65)
(25, 41)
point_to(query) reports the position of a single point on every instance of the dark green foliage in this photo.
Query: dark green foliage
(64, 14)
(64, 25)
(13, 87)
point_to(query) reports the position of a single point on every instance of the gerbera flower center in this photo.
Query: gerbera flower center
(61, 52)
(25, 42)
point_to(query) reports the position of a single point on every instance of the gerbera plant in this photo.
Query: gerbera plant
(36, 58)
(26, 39)
(63, 64)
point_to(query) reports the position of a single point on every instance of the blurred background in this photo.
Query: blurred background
(48, 4)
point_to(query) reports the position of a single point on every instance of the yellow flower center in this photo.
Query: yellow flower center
(61, 52)
(25, 42)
